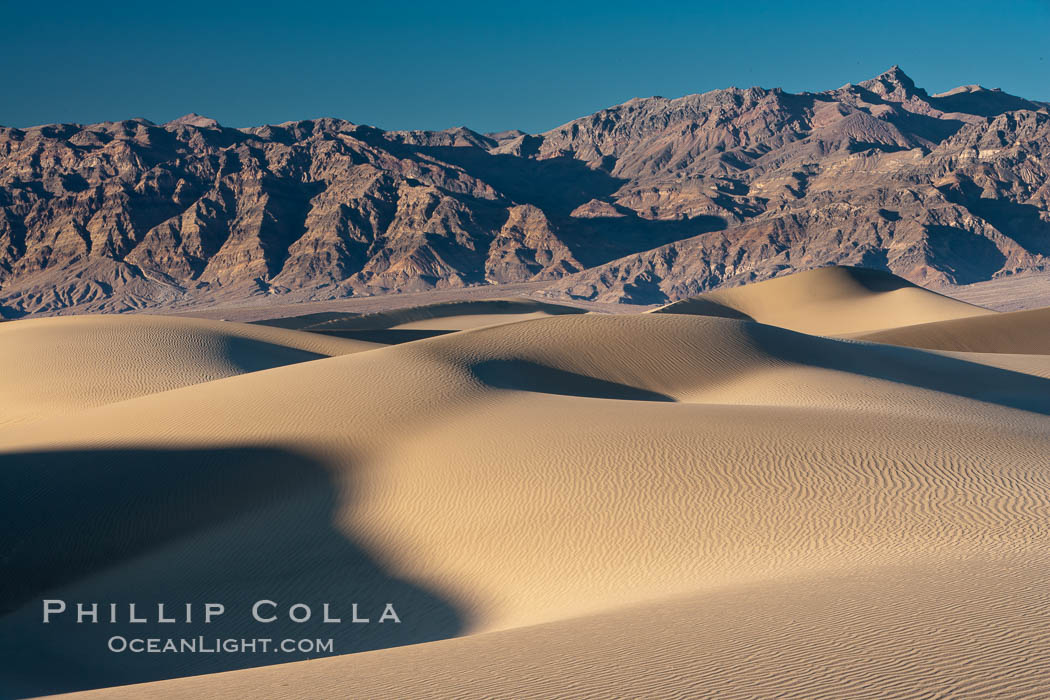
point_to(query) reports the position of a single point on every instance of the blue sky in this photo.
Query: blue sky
(487, 65)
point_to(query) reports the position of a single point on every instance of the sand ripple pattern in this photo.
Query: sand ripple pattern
(660, 505)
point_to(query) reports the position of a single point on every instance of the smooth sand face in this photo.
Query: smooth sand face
(829, 301)
(648, 505)
(1015, 332)
(60, 365)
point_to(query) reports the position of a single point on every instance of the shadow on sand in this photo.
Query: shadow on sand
(920, 368)
(229, 526)
(386, 336)
(522, 375)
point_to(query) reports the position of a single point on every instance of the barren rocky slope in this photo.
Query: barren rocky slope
(646, 202)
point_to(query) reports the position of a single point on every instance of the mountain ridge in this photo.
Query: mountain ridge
(648, 201)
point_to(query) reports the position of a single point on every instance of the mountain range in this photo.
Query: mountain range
(646, 202)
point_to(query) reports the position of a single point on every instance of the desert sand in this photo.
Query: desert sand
(1015, 332)
(60, 365)
(668, 504)
(829, 301)
(423, 321)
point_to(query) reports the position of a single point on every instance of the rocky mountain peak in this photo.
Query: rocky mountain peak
(893, 85)
(194, 119)
(649, 201)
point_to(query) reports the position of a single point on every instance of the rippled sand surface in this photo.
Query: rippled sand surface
(673, 504)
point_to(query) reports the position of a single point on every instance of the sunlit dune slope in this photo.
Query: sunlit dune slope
(538, 472)
(829, 301)
(926, 629)
(1018, 332)
(58, 365)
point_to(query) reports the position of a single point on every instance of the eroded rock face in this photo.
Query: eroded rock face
(971, 206)
(643, 202)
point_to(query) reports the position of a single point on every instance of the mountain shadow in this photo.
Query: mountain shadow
(558, 186)
(967, 256)
(1023, 223)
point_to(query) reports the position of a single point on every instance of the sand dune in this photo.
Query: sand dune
(917, 631)
(650, 505)
(423, 321)
(60, 365)
(1017, 332)
(829, 301)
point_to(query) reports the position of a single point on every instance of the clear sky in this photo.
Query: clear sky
(487, 65)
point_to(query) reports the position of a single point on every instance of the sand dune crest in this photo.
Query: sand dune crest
(64, 364)
(663, 504)
(829, 301)
(1016, 332)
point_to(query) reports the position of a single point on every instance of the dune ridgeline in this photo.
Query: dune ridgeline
(833, 484)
